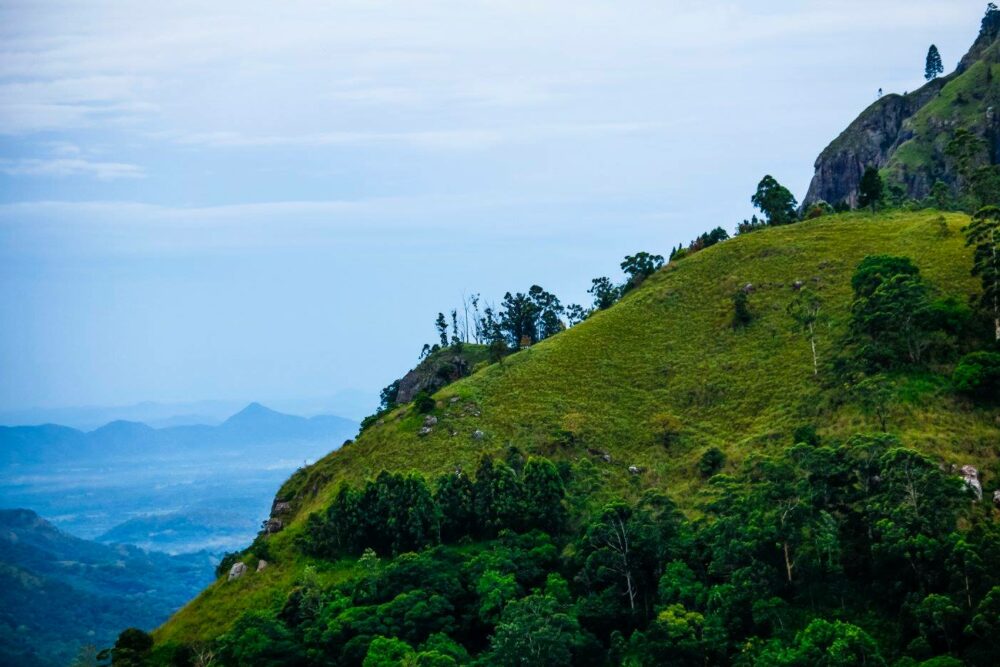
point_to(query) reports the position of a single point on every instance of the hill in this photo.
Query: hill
(907, 136)
(633, 398)
(58, 593)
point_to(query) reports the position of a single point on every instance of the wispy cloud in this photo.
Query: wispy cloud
(105, 171)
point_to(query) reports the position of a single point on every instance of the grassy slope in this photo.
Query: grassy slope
(962, 102)
(666, 348)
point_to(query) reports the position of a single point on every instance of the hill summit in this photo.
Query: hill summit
(918, 139)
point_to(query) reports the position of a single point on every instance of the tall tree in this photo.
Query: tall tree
(640, 266)
(984, 234)
(933, 66)
(441, 325)
(871, 190)
(604, 291)
(775, 201)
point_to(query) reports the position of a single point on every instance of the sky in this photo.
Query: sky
(272, 201)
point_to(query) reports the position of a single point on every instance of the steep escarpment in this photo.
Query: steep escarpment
(907, 136)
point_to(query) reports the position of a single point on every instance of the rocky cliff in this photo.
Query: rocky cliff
(906, 136)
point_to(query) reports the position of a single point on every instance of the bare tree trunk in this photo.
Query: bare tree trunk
(812, 344)
(788, 564)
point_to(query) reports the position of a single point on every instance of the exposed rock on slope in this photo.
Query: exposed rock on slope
(906, 136)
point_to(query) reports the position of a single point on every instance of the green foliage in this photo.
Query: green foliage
(535, 630)
(741, 309)
(775, 201)
(978, 374)
(871, 190)
(638, 267)
(711, 462)
(666, 348)
(933, 65)
(605, 292)
(825, 644)
(423, 402)
(132, 648)
(983, 233)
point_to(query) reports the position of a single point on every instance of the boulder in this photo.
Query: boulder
(971, 478)
(797, 285)
(635, 470)
(478, 435)
(272, 526)
(749, 288)
(280, 507)
(237, 571)
(424, 431)
(430, 420)
(261, 565)
(996, 498)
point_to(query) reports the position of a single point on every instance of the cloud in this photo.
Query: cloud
(104, 171)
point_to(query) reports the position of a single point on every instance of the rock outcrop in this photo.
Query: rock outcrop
(905, 136)
(237, 571)
(970, 475)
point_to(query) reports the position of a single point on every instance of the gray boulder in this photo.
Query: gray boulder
(237, 571)
(261, 565)
(971, 478)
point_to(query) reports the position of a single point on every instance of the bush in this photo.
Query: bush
(667, 427)
(423, 402)
(711, 462)
(978, 374)
(805, 434)
(741, 309)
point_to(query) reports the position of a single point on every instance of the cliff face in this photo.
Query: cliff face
(870, 140)
(905, 136)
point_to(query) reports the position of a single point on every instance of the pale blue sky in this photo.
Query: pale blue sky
(236, 200)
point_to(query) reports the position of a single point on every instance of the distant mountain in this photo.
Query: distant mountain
(252, 428)
(58, 592)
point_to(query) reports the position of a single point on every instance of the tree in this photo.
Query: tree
(984, 234)
(575, 313)
(805, 309)
(933, 66)
(876, 395)
(441, 325)
(978, 375)
(640, 266)
(891, 316)
(131, 648)
(543, 496)
(711, 462)
(775, 201)
(605, 292)
(825, 644)
(871, 190)
(535, 630)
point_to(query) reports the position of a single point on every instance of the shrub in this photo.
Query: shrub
(805, 434)
(978, 374)
(423, 402)
(711, 462)
(741, 309)
(667, 427)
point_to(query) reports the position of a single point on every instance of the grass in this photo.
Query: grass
(668, 348)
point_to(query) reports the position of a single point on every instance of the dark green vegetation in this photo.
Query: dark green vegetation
(58, 593)
(657, 486)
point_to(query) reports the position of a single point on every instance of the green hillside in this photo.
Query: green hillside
(652, 383)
